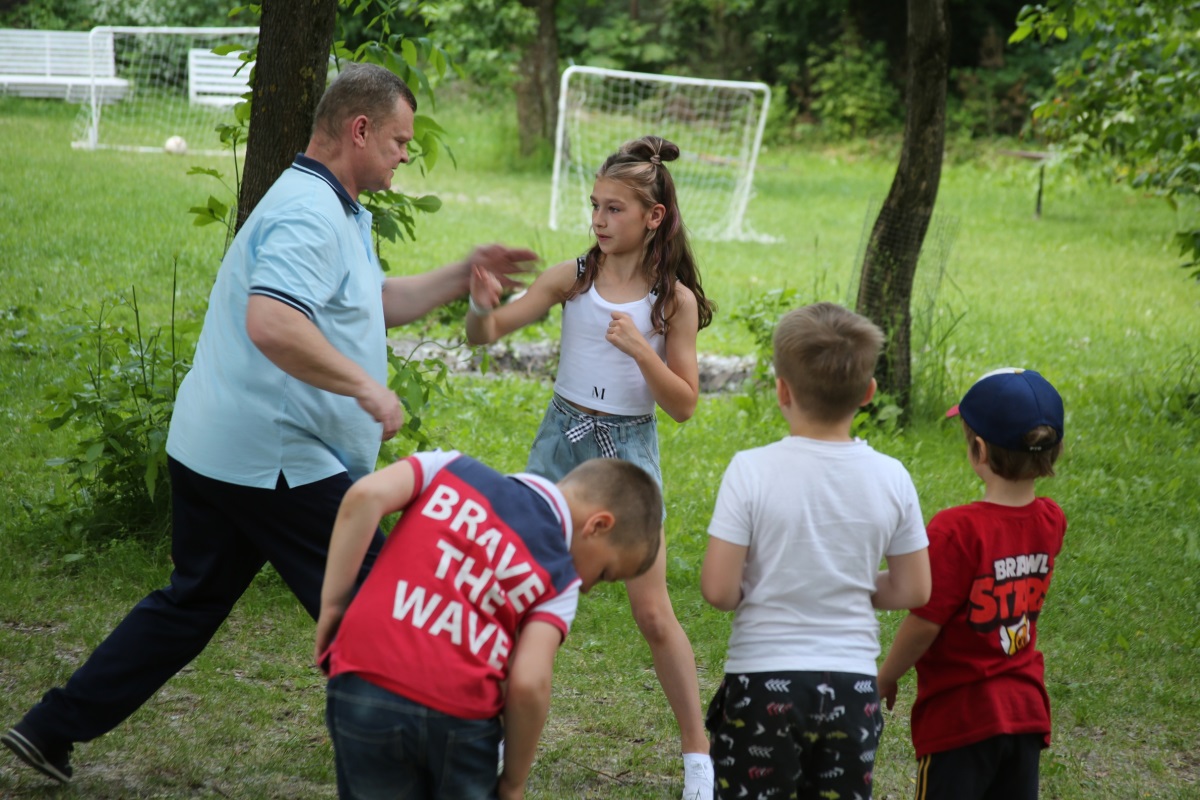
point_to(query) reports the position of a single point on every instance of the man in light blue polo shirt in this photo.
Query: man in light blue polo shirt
(285, 406)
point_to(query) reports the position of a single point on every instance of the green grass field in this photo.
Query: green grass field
(1089, 295)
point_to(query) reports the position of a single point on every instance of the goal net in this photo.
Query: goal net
(172, 85)
(717, 125)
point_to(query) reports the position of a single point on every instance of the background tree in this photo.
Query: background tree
(289, 78)
(537, 82)
(1128, 95)
(894, 246)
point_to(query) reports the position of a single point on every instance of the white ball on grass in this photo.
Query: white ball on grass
(176, 145)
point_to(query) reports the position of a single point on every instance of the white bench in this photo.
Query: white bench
(215, 80)
(59, 64)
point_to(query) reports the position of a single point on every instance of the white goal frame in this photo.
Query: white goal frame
(663, 106)
(192, 119)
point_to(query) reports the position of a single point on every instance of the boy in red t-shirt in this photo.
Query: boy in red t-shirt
(982, 715)
(462, 614)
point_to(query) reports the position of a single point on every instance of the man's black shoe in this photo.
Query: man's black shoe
(52, 764)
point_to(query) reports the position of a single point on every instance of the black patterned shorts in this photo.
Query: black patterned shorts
(783, 735)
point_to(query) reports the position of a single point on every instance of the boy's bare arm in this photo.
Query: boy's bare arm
(915, 636)
(721, 575)
(367, 501)
(527, 703)
(906, 583)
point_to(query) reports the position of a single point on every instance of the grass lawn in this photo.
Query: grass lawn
(1089, 295)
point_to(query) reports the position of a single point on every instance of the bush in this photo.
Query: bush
(996, 97)
(852, 93)
(86, 14)
(120, 399)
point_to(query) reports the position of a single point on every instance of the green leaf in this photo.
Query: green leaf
(1060, 33)
(424, 125)
(1020, 34)
(202, 218)
(409, 52)
(428, 203)
(386, 227)
(415, 395)
(429, 151)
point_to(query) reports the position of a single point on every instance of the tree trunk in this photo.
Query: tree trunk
(537, 86)
(289, 79)
(891, 254)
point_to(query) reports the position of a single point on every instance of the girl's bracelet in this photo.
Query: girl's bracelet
(477, 309)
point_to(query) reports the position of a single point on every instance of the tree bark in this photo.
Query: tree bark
(289, 79)
(537, 85)
(894, 247)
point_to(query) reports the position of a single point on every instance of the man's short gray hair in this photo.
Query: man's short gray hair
(360, 89)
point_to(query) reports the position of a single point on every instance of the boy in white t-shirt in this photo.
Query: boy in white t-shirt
(799, 530)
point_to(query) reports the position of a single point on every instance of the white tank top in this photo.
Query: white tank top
(592, 372)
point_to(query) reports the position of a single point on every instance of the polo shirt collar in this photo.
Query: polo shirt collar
(314, 167)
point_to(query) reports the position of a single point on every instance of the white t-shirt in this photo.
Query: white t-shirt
(818, 518)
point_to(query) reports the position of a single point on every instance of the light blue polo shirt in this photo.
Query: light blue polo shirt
(240, 419)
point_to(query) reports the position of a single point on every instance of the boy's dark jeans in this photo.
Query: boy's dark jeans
(388, 746)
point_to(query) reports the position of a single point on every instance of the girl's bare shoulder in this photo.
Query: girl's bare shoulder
(556, 281)
(682, 296)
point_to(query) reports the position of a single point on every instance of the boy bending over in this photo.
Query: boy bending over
(795, 543)
(475, 588)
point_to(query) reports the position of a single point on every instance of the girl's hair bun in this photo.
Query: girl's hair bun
(654, 149)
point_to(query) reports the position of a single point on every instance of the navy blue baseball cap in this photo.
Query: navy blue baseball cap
(1008, 403)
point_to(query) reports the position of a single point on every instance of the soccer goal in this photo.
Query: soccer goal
(178, 89)
(718, 126)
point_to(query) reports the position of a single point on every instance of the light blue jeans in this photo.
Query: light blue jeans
(553, 455)
(388, 747)
(634, 438)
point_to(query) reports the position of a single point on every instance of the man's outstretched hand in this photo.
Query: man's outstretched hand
(503, 262)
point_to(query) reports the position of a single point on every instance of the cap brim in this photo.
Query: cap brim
(952, 412)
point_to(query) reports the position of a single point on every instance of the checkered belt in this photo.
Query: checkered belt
(602, 430)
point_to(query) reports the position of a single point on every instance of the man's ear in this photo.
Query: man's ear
(598, 523)
(359, 126)
(870, 392)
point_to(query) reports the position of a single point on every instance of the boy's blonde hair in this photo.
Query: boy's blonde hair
(826, 355)
(633, 497)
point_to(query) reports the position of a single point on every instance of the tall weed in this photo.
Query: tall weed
(120, 399)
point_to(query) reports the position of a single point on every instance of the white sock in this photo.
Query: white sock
(697, 758)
